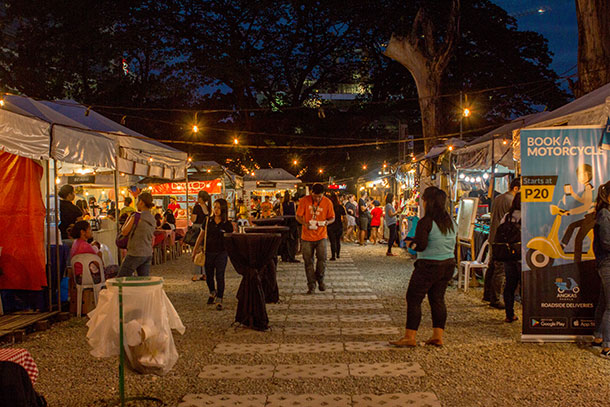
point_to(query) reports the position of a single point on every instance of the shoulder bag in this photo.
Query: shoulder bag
(199, 259)
(121, 240)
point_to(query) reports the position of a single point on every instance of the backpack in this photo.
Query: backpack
(507, 245)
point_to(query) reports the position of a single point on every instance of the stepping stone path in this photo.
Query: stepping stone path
(348, 308)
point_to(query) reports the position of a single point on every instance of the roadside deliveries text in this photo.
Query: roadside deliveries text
(557, 146)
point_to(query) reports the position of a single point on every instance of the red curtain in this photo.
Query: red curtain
(22, 215)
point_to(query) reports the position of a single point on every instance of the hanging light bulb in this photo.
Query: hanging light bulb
(485, 175)
(364, 167)
(235, 141)
(462, 175)
(450, 148)
(467, 179)
(504, 141)
(478, 179)
(190, 159)
(195, 128)
(1, 102)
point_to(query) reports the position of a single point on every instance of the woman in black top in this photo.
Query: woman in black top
(216, 255)
(69, 213)
(335, 229)
(201, 211)
(289, 248)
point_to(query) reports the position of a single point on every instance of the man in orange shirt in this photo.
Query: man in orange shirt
(266, 208)
(315, 212)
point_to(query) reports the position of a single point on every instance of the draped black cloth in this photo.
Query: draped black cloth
(250, 253)
(269, 271)
(16, 388)
(275, 221)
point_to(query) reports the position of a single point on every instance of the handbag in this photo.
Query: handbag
(121, 240)
(199, 258)
(191, 235)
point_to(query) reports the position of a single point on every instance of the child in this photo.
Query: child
(81, 233)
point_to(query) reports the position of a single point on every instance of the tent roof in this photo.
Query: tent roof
(79, 135)
(440, 148)
(272, 174)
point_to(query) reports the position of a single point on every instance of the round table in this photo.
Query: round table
(251, 254)
(275, 221)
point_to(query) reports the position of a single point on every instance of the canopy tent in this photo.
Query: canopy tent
(439, 149)
(72, 133)
(495, 146)
(592, 109)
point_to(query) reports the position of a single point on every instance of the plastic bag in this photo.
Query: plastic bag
(148, 318)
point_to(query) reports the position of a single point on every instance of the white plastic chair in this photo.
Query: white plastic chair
(87, 279)
(467, 266)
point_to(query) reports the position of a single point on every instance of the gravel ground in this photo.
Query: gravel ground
(481, 364)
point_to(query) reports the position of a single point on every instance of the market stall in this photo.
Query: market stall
(64, 137)
(269, 182)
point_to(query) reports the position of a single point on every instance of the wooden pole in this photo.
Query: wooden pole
(57, 237)
(48, 222)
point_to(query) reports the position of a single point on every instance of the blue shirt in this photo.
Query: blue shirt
(431, 244)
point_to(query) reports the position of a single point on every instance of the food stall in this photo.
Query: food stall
(269, 182)
(208, 176)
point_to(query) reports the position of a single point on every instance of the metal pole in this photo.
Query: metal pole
(461, 114)
(48, 221)
(57, 237)
(122, 350)
(493, 172)
(116, 207)
(186, 184)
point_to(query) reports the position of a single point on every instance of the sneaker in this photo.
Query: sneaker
(321, 286)
(597, 343)
(605, 353)
(219, 306)
(211, 298)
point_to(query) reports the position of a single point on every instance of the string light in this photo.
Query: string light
(57, 180)
(1, 102)
(321, 171)
(150, 159)
(478, 179)
(485, 176)
(466, 112)
(295, 162)
(504, 142)
(190, 159)
(195, 128)
(385, 165)
(450, 148)
(364, 167)
(462, 176)
(235, 141)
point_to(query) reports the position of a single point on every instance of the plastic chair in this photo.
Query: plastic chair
(85, 260)
(467, 266)
(107, 256)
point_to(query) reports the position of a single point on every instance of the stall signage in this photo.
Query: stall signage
(81, 179)
(265, 184)
(337, 186)
(560, 284)
(179, 188)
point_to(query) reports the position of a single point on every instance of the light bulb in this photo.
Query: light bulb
(450, 148)
(466, 112)
(235, 141)
(485, 176)
(462, 176)
(1, 102)
(478, 179)
(195, 128)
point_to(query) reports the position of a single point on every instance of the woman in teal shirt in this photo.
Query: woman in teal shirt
(434, 242)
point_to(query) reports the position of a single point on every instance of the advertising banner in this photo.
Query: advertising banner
(562, 167)
(212, 187)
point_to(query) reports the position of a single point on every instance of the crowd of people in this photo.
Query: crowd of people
(326, 216)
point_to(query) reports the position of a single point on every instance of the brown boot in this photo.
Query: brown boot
(437, 337)
(408, 341)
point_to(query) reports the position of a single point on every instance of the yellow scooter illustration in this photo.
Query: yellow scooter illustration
(544, 250)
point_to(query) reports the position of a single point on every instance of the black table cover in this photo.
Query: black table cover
(249, 254)
(275, 221)
(269, 271)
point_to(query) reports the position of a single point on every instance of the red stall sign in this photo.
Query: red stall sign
(179, 188)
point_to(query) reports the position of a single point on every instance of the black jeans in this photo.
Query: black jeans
(584, 226)
(512, 269)
(215, 265)
(334, 235)
(429, 277)
(392, 238)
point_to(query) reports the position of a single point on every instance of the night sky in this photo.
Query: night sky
(557, 24)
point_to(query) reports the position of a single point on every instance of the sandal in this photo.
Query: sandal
(195, 278)
(513, 319)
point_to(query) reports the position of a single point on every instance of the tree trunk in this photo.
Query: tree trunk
(593, 45)
(426, 59)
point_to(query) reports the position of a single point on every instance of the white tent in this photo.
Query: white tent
(592, 109)
(71, 133)
(496, 144)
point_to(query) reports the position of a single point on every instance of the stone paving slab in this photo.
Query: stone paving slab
(318, 347)
(312, 319)
(420, 399)
(311, 331)
(358, 306)
(385, 369)
(369, 346)
(314, 371)
(224, 400)
(344, 297)
(365, 318)
(309, 400)
(230, 348)
(237, 372)
(396, 400)
(377, 330)
(358, 290)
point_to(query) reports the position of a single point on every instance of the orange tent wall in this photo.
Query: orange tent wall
(22, 215)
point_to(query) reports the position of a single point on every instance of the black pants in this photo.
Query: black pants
(334, 235)
(392, 238)
(429, 277)
(512, 269)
